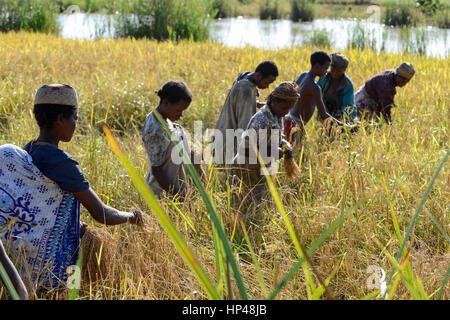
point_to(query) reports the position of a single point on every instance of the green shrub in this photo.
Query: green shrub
(164, 19)
(269, 9)
(223, 8)
(431, 7)
(29, 15)
(318, 38)
(89, 5)
(302, 10)
(401, 13)
(442, 19)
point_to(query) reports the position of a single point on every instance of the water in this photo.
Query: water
(86, 26)
(278, 34)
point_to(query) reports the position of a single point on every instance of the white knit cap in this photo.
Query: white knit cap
(405, 70)
(60, 94)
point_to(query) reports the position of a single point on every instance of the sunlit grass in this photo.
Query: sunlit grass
(385, 170)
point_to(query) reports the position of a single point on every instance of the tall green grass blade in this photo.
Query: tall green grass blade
(393, 215)
(321, 289)
(7, 281)
(444, 284)
(220, 264)
(185, 218)
(393, 288)
(164, 219)
(310, 251)
(255, 262)
(438, 225)
(318, 292)
(372, 295)
(211, 210)
(419, 208)
(405, 277)
(288, 224)
(422, 292)
(74, 291)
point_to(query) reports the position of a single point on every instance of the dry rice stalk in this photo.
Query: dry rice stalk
(98, 247)
(290, 166)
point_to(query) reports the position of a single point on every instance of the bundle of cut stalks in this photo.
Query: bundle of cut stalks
(290, 166)
(98, 248)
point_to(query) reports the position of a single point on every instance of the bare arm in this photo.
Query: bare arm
(103, 213)
(321, 109)
(13, 274)
(321, 106)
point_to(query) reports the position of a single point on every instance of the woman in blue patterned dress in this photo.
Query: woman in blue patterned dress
(41, 188)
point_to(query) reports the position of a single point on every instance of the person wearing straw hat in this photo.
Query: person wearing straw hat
(41, 188)
(338, 92)
(376, 96)
(264, 135)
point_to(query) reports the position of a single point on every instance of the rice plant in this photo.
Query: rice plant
(362, 200)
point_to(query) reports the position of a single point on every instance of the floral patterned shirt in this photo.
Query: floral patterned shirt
(264, 130)
(161, 152)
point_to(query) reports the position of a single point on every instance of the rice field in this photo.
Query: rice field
(376, 176)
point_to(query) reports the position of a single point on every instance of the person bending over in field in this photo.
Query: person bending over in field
(376, 96)
(167, 170)
(338, 93)
(310, 97)
(266, 128)
(41, 188)
(240, 105)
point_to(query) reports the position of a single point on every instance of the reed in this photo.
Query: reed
(29, 15)
(162, 19)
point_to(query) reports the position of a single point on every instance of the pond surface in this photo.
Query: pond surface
(278, 34)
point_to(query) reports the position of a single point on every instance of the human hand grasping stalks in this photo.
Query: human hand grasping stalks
(137, 219)
(290, 166)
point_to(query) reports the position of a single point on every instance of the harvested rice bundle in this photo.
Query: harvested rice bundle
(98, 248)
(290, 166)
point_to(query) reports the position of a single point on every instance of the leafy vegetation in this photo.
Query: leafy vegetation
(29, 15)
(269, 10)
(302, 10)
(401, 13)
(164, 19)
(318, 38)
